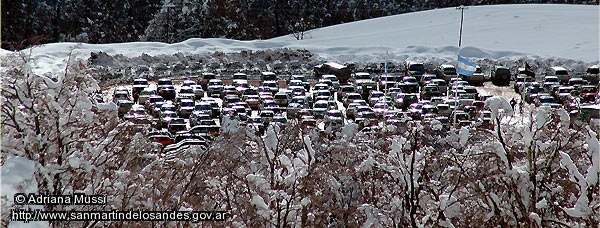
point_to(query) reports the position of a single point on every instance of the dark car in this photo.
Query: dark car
(589, 93)
(500, 76)
(429, 91)
(167, 92)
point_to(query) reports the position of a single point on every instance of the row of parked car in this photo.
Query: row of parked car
(552, 91)
(198, 105)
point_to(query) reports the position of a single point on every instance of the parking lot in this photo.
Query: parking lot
(191, 110)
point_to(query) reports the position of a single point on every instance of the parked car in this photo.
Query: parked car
(410, 83)
(520, 79)
(592, 74)
(589, 93)
(303, 79)
(350, 97)
(477, 78)
(167, 92)
(205, 78)
(414, 69)
(429, 91)
(446, 72)
(237, 77)
(319, 108)
(121, 96)
(145, 94)
(163, 139)
(334, 81)
(185, 108)
(560, 72)
(281, 99)
(500, 76)
(403, 100)
(441, 84)
(123, 107)
(198, 92)
(268, 76)
(215, 88)
(176, 125)
(426, 79)
(139, 84)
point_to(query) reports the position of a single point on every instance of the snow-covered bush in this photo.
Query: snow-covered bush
(76, 145)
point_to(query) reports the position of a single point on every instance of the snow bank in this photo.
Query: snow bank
(463, 136)
(107, 106)
(497, 103)
(17, 176)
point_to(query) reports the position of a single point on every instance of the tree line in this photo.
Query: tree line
(30, 22)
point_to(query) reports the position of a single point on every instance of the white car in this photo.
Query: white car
(146, 94)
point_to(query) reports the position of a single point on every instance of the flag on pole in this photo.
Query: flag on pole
(529, 71)
(465, 67)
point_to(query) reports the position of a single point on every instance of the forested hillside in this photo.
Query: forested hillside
(27, 22)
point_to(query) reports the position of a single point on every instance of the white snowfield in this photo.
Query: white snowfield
(534, 31)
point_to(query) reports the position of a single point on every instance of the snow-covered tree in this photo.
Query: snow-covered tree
(77, 144)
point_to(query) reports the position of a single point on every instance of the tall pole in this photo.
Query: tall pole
(462, 13)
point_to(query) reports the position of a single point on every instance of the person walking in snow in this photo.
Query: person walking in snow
(513, 103)
(521, 106)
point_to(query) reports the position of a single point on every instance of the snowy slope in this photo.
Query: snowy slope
(494, 32)
(501, 31)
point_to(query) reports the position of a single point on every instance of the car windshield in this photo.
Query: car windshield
(216, 83)
(363, 76)
(323, 93)
(186, 91)
(439, 82)
(503, 71)
(298, 100)
(331, 78)
(156, 99)
(165, 82)
(321, 105)
(410, 80)
(562, 72)
(240, 76)
(576, 82)
(462, 116)
(374, 95)
(416, 67)
(565, 90)
(243, 85)
(187, 104)
(547, 100)
(449, 71)
(470, 90)
(270, 84)
(335, 114)
(301, 78)
(589, 89)
(140, 82)
(430, 88)
(429, 110)
(593, 70)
